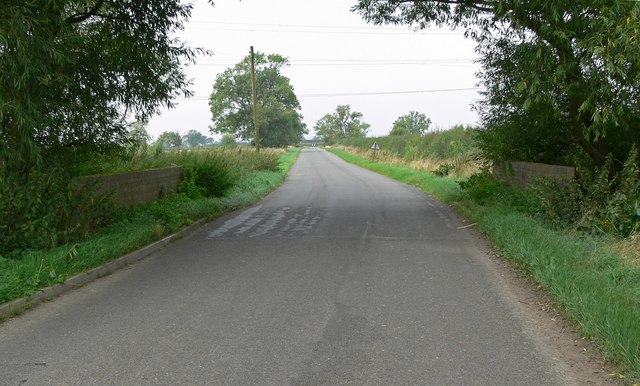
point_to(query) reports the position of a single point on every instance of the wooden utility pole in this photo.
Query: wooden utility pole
(253, 97)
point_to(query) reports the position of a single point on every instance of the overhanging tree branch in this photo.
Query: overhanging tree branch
(484, 6)
(80, 17)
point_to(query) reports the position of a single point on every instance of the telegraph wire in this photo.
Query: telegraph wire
(374, 93)
(417, 33)
(389, 92)
(294, 25)
(231, 26)
(352, 62)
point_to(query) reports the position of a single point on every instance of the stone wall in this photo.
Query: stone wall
(134, 188)
(524, 173)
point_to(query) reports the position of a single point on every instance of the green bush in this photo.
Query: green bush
(188, 185)
(210, 172)
(553, 202)
(612, 205)
(484, 188)
(45, 208)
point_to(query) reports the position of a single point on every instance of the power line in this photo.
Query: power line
(417, 33)
(389, 92)
(338, 27)
(386, 60)
(357, 62)
(321, 95)
(350, 64)
(288, 25)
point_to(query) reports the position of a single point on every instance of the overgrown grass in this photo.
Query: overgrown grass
(592, 281)
(25, 274)
(233, 158)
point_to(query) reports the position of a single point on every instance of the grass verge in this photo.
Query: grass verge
(593, 284)
(444, 188)
(131, 230)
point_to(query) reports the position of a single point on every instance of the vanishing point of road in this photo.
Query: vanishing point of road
(341, 276)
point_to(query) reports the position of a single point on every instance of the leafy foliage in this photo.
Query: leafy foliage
(612, 205)
(210, 172)
(594, 204)
(562, 78)
(47, 210)
(341, 124)
(279, 119)
(71, 74)
(414, 123)
(72, 71)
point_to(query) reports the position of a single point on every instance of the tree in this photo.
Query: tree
(343, 123)
(228, 140)
(73, 71)
(170, 139)
(413, 123)
(138, 135)
(569, 69)
(194, 138)
(280, 122)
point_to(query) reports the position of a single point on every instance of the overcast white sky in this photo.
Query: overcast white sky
(333, 52)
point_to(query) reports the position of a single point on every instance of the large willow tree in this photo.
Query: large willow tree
(72, 71)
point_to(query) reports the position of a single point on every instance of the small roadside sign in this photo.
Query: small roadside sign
(375, 147)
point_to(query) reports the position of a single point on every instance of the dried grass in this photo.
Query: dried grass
(460, 166)
(629, 249)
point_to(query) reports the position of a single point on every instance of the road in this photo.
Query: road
(341, 276)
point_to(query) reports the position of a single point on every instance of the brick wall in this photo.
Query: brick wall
(137, 187)
(524, 173)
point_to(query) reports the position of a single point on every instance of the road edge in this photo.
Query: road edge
(20, 305)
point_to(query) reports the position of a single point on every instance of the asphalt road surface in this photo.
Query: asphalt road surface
(341, 276)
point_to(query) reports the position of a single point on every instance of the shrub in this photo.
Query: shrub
(556, 203)
(209, 171)
(484, 188)
(45, 209)
(612, 205)
(188, 185)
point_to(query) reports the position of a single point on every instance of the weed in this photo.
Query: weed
(443, 170)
